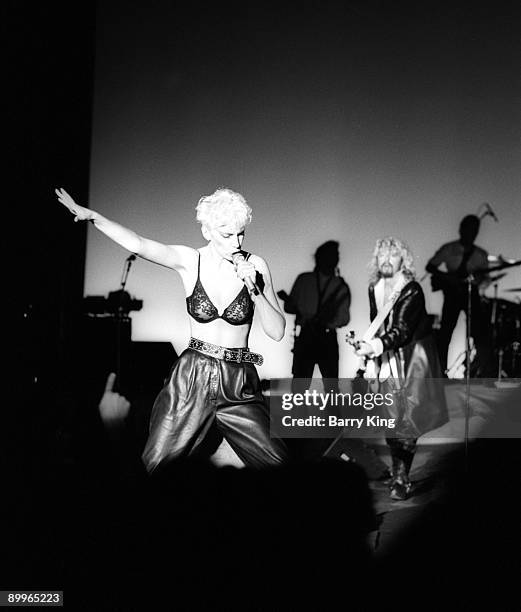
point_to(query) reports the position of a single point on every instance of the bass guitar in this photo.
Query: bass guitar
(367, 367)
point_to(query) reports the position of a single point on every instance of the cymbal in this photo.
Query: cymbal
(507, 264)
(493, 279)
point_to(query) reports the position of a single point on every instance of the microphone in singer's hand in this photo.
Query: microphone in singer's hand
(252, 287)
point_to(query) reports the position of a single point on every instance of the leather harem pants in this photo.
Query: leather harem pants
(203, 393)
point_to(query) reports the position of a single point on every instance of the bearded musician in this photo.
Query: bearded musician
(405, 355)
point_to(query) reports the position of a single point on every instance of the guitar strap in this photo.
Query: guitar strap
(372, 369)
(395, 376)
(462, 268)
(383, 312)
(321, 292)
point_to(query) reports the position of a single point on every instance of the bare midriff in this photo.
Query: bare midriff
(221, 333)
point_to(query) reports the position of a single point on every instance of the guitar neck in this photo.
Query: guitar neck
(451, 280)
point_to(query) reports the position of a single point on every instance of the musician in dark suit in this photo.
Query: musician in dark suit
(320, 300)
(460, 259)
(405, 354)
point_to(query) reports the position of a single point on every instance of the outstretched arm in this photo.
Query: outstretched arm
(171, 256)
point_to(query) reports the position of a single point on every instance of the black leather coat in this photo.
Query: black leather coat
(408, 334)
(408, 321)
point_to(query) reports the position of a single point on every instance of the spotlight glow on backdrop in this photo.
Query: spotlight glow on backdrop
(334, 125)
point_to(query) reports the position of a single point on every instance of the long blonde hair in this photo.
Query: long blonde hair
(395, 244)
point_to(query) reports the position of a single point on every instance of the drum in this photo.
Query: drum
(504, 318)
(510, 359)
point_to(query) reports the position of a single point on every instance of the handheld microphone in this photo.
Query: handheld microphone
(252, 287)
(131, 257)
(491, 212)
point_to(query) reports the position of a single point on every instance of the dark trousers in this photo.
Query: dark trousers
(202, 396)
(453, 303)
(315, 347)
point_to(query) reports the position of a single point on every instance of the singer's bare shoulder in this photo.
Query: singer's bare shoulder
(184, 251)
(186, 256)
(175, 256)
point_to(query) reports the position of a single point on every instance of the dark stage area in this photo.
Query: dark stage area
(81, 514)
(311, 536)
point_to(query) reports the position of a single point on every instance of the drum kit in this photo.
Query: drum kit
(504, 319)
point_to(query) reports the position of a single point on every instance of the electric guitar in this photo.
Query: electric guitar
(481, 278)
(450, 281)
(367, 367)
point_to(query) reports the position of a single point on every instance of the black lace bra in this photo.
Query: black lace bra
(201, 308)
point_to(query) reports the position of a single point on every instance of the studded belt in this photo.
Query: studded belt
(236, 355)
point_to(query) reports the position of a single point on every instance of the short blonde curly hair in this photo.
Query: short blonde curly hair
(222, 207)
(407, 267)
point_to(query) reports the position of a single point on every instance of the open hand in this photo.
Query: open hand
(113, 407)
(80, 212)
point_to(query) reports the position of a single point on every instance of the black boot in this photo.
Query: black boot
(400, 483)
(402, 455)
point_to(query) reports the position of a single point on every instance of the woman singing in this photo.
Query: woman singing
(214, 382)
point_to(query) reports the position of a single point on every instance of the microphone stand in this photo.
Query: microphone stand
(493, 324)
(119, 314)
(470, 278)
